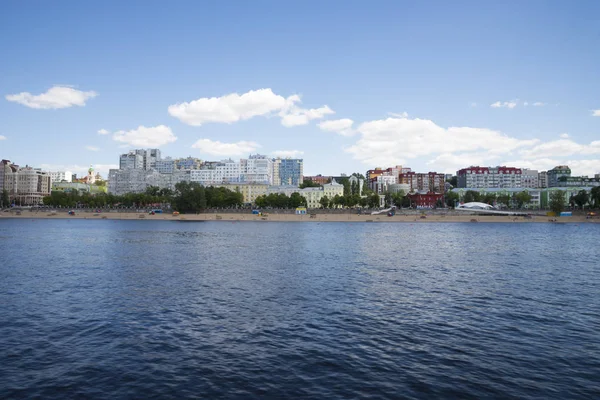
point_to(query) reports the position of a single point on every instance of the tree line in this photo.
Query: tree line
(187, 197)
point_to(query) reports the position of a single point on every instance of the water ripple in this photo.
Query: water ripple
(130, 309)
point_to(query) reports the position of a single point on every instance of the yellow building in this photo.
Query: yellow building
(250, 191)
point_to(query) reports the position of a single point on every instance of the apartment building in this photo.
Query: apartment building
(489, 177)
(61, 176)
(530, 178)
(25, 185)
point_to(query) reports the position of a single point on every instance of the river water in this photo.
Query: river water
(153, 309)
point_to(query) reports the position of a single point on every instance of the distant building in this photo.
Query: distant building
(357, 182)
(556, 173)
(80, 188)
(122, 181)
(313, 195)
(188, 163)
(166, 166)
(560, 176)
(318, 179)
(530, 178)
(139, 159)
(425, 200)
(61, 176)
(250, 191)
(543, 179)
(489, 177)
(25, 185)
(430, 182)
(288, 171)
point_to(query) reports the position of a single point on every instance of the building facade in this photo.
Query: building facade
(543, 179)
(425, 200)
(429, 182)
(530, 178)
(489, 177)
(61, 176)
(288, 171)
(25, 185)
(556, 173)
(313, 195)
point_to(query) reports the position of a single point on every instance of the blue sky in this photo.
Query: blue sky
(348, 85)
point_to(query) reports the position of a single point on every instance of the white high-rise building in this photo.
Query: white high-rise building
(60, 176)
(530, 178)
(140, 159)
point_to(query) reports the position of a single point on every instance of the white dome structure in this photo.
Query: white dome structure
(475, 206)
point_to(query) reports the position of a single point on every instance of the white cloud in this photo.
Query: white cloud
(596, 113)
(234, 107)
(473, 104)
(55, 97)
(561, 148)
(505, 104)
(564, 135)
(340, 126)
(449, 163)
(526, 104)
(103, 132)
(287, 153)
(539, 104)
(146, 137)
(394, 141)
(80, 170)
(229, 108)
(92, 148)
(217, 148)
(2, 137)
(293, 115)
(403, 114)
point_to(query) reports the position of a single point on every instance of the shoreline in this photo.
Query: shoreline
(238, 217)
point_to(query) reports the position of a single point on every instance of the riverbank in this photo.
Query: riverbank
(231, 217)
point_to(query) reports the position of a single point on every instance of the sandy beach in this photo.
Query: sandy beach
(324, 217)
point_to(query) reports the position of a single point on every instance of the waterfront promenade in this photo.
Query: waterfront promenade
(286, 217)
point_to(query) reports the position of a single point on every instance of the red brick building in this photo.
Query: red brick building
(425, 200)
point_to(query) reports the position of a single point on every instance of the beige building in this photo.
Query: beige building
(26, 185)
(312, 195)
(250, 191)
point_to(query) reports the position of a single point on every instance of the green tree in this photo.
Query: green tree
(152, 190)
(397, 198)
(364, 201)
(189, 197)
(557, 201)
(453, 181)
(489, 198)
(471, 196)
(581, 198)
(4, 199)
(387, 199)
(595, 196)
(308, 183)
(373, 200)
(346, 183)
(503, 198)
(297, 200)
(451, 199)
(324, 201)
(522, 198)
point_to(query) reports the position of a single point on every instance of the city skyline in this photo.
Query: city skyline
(346, 88)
